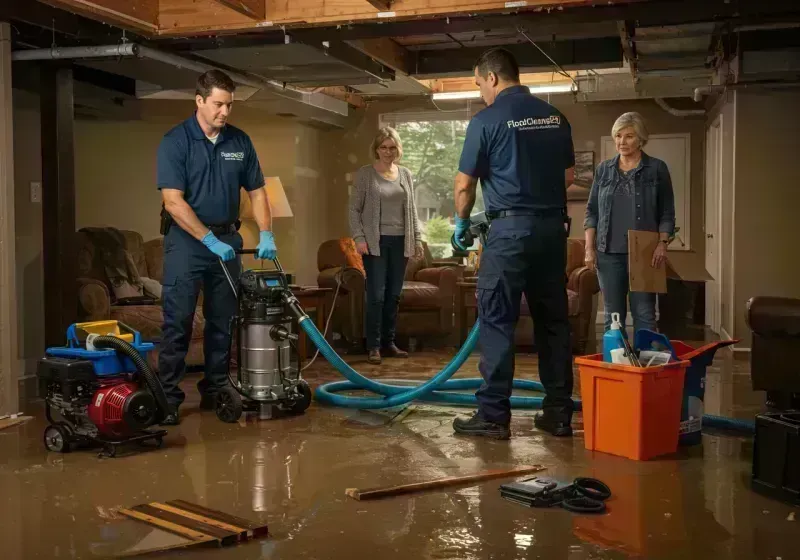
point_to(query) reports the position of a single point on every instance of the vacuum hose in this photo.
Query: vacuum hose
(434, 390)
(142, 367)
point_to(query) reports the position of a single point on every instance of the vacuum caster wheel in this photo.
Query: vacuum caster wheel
(57, 439)
(229, 405)
(300, 405)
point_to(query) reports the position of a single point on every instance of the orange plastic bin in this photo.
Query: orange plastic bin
(629, 411)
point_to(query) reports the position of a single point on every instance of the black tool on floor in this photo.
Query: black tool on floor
(583, 495)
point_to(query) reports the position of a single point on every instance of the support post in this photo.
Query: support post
(9, 348)
(58, 201)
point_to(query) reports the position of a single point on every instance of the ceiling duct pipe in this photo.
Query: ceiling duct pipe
(679, 112)
(313, 99)
(699, 92)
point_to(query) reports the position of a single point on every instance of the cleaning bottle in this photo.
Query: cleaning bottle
(613, 338)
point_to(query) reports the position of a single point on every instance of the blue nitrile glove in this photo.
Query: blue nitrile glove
(462, 225)
(266, 246)
(222, 250)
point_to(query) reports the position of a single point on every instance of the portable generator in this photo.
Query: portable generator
(100, 390)
(268, 368)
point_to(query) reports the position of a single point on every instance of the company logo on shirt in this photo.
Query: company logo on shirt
(233, 156)
(536, 123)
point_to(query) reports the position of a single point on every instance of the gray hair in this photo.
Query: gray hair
(384, 134)
(632, 120)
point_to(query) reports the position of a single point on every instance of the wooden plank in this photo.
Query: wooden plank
(167, 526)
(224, 536)
(189, 17)
(58, 201)
(241, 532)
(257, 529)
(11, 422)
(9, 353)
(142, 15)
(255, 9)
(377, 493)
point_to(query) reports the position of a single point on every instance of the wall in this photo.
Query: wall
(766, 199)
(727, 114)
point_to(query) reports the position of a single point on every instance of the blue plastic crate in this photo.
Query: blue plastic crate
(105, 362)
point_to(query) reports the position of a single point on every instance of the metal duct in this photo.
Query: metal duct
(310, 99)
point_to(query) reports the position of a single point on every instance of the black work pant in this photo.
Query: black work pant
(525, 254)
(385, 275)
(188, 267)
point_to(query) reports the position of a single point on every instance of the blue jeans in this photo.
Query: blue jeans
(612, 272)
(385, 275)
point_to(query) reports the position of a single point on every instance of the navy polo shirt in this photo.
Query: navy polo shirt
(519, 148)
(209, 174)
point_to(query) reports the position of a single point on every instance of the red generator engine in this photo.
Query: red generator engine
(120, 408)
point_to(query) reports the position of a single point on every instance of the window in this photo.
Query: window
(432, 143)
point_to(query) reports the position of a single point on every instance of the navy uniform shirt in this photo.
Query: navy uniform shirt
(209, 174)
(519, 148)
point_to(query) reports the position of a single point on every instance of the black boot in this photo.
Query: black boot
(553, 424)
(477, 426)
(171, 419)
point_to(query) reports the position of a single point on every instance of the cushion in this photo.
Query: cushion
(419, 295)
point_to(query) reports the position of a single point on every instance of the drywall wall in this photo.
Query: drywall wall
(766, 199)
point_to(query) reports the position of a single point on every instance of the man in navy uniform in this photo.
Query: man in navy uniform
(202, 164)
(520, 148)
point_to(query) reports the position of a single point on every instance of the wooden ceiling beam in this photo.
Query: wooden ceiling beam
(254, 9)
(382, 5)
(138, 15)
(387, 52)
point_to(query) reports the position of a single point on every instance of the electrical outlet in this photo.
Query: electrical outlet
(36, 192)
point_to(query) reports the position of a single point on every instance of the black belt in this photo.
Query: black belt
(225, 229)
(541, 213)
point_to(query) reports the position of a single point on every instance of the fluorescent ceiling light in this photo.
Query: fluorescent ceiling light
(455, 95)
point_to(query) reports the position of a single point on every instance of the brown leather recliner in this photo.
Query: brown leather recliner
(96, 299)
(775, 324)
(426, 302)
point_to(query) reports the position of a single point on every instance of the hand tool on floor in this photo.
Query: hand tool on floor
(389, 491)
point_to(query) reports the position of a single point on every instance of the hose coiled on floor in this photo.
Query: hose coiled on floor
(142, 367)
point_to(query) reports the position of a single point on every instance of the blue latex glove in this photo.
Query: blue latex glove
(462, 225)
(266, 246)
(222, 250)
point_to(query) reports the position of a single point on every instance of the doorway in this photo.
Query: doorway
(713, 219)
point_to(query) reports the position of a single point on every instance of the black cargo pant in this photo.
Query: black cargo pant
(524, 254)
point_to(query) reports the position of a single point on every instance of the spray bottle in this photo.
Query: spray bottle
(613, 338)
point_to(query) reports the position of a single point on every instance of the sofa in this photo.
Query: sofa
(96, 300)
(582, 286)
(426, 301)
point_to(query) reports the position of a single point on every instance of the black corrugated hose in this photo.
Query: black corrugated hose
(142, 367)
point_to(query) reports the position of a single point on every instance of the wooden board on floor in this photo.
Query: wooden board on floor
(376, 493)
(11, 422)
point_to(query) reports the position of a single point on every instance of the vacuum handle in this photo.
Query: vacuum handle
(277, 263)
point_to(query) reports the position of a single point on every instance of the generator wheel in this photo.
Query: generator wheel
(229, 405)
(300, 405)
(57, 439)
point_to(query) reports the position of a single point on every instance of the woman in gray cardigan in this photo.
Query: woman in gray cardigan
(384, 225)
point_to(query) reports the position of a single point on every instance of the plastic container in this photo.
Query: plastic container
(613, 338)
(694, 387)
(776, 456)
(629, 411)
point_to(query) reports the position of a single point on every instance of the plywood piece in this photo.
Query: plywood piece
(240, 532)
(389, 491)
(9, 371)
(138, 14)
(175, 528)
(643, 277)
(254, 529)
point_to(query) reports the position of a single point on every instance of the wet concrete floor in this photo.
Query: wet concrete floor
(292, 474)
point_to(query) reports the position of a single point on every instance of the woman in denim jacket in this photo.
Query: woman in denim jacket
(631, 191)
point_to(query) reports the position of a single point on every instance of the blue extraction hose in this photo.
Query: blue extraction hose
(433, 390)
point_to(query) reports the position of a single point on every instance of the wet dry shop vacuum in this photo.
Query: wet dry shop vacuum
(99, 390)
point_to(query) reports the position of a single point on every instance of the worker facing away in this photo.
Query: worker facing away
(520, 148)
(202, 164)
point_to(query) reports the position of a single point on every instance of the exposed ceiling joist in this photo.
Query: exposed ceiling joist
(628, 46)
(142, 15)
(60, 21)
(570, 55)
(383, 5)
(387, 52)
(255, 9)
(355, 59)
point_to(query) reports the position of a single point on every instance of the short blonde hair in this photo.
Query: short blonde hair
(386, 133)
(632, 120)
